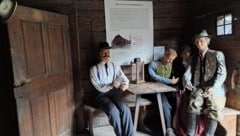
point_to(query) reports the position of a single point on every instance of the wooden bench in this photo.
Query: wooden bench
(91, 111)
(229, 123)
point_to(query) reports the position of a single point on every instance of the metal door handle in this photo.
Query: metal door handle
(21, 83)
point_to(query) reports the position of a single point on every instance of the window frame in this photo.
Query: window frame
(224, 25)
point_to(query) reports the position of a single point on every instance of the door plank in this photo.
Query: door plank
(36, 52)
(24, 117)
(40, 116)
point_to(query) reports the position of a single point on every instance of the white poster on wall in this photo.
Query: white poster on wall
(129, 30)
(158, 52)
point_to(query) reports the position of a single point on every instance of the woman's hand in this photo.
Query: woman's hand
(189, 87)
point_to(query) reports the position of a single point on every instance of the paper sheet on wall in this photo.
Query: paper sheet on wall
(158, 52)
(129, 30)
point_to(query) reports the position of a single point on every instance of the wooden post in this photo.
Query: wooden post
(238, 126)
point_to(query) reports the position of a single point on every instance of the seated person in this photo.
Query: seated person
(160, 71)
(205, 78)
(108, 79)
(180, 65)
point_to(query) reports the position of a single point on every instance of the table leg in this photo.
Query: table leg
(137, 104)
(160, 108)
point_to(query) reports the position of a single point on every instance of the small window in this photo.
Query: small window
(224, 24)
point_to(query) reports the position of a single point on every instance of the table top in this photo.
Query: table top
(149, 87)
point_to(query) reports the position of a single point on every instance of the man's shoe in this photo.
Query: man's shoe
(170, 132)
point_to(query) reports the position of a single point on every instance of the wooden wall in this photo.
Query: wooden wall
(169, 22)
(175, 23)
(170, 17)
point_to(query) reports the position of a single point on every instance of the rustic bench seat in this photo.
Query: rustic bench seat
(229, 122)
(230, 111)
(91, 111)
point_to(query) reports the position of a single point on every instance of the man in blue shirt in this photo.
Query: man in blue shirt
(161, 71)
(205, 77)
(109, 80)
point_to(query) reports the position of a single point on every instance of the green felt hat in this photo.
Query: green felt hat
(204, 34)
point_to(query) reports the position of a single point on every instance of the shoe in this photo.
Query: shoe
(170, 132)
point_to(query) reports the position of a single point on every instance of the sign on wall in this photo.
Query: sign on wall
(129, 30)
(158, 52)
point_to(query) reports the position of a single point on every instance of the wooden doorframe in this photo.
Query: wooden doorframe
(76, 68)
(8, 114)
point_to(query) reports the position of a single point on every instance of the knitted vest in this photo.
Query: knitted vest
(164, 70)
(204, 78)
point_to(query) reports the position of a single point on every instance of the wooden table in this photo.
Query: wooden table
(149, 88)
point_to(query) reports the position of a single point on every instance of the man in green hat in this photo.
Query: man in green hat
(205, 78)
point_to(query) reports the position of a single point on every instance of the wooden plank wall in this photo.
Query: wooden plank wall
(170, 18)
(169, 21)
(175, 23)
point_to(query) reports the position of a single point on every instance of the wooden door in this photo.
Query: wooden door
(43, 86)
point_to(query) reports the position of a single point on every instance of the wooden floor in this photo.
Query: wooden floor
(108, 131)
(152, 123)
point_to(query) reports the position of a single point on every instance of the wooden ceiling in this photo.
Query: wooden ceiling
(64, 6)
(58, 6)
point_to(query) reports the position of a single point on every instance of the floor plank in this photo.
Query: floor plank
(108, 131)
